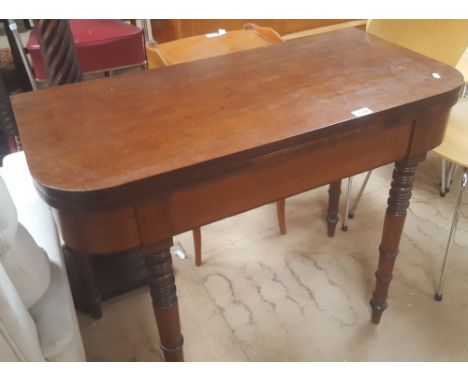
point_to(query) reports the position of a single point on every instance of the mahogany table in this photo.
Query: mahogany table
(130, 161)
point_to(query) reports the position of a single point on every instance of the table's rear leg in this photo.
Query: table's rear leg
(398, 203)
(165, 305)
(88, 297)
(197, 244)
(281, 214)
(334, 192)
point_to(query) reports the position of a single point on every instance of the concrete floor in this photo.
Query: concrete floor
(260, 296)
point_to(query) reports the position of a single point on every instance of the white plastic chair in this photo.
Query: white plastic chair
(443, 40)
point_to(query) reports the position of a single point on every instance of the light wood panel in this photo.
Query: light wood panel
(168, 30)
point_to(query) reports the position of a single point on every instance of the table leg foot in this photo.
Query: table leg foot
(165, 305)
(89, 298)
(378, 306)
(398, 203)
(334, 192)
(377, 313)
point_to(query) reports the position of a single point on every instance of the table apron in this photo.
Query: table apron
(239, 187)
(266, 179)
(271, 180)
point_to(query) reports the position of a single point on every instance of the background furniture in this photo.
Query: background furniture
(278, 136)
(174, 29)
(102, 45)
(16, 78)
(9, 136)
(205, 46)
(37, 316)
(449, 168)
(200, 47)
(442, 40)
(454, 149)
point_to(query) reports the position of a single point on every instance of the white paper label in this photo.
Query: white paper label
(361, 112)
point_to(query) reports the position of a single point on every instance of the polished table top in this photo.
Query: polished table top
(125, 130)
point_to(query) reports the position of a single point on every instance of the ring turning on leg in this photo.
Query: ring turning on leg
(165, 305)
(398, 203)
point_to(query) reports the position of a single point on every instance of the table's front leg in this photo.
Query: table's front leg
(398, 203)
(165, 305)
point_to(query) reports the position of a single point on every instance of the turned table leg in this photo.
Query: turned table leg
(398, 203)
(89, 297)
(334, 192)
(165, 305)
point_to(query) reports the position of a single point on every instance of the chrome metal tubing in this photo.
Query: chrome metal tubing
(443, 177)
(453, 229)
(358, 198)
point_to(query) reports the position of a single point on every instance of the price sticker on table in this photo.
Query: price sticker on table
(361, 112)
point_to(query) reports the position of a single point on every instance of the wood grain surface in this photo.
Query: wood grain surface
(96, 137)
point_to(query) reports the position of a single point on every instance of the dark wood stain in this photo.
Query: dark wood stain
(131, 161)
(136, 128)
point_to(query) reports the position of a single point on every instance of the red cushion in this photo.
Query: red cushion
(101, 45)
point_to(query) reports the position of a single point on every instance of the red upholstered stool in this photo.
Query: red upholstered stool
(101, 45)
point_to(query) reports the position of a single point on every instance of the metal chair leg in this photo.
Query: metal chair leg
(27, 66)
(443, 178)
(146, 30)
(450, 176)
(453, 175)
(438, 295)
(344, 227)
(358, 198)
(349, 212)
